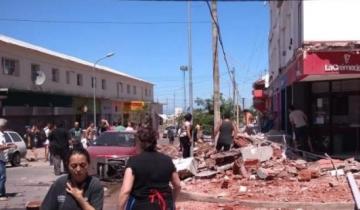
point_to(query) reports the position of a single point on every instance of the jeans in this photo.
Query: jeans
(2, 178)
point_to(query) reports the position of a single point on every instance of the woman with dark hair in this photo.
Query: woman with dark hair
(226, 130)
(147, 177)
(77, 190)
(185, 135)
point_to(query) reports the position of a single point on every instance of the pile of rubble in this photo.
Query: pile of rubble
(256, 162)
(257, 158)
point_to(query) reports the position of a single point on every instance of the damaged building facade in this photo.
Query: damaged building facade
(38, 85)
(314, 64)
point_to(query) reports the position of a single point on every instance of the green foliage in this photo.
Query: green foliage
(204, 114)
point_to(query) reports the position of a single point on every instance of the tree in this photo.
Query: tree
(204, 113)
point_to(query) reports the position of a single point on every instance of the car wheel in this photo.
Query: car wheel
(16, 159)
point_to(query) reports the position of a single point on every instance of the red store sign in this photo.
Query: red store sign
(318, 63)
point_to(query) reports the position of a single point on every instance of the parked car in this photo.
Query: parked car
(109, 154)
(15, 154)
(166, 130)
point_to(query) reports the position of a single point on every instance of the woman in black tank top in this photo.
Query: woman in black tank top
(226, 130)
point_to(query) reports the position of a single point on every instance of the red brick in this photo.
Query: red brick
(304, 175)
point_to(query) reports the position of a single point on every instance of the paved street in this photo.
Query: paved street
(27, 184)
(31, 180)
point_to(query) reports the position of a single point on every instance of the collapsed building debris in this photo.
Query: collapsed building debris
(258, 165)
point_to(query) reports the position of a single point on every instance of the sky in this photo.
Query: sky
(150, 39)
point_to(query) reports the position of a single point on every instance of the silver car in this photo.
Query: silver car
(15, 154)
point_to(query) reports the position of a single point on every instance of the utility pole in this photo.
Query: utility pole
(216, 79)
(190, 59)
(243, 103)
(174, 103)
(237, 107)
(234, 90)
(167, 106)
(184, 69)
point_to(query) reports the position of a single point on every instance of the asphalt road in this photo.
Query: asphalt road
(31, 181)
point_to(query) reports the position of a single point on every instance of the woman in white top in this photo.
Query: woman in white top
(129, 127)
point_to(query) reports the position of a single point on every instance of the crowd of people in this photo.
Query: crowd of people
(76, 189)
(147, 175)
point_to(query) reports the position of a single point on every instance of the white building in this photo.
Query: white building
(314, 64)
(67, 90)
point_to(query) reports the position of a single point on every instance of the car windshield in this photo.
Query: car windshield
(115, 139)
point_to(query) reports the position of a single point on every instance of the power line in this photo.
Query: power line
(221, 42)
(99, 22)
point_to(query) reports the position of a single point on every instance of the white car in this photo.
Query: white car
(15, 154)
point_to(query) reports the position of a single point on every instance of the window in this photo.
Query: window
(67, 77)
(146, 91)
(7, 138)
(55, 75)
(119, 88)
(134, 90)
(103, 84)
(16, 137)
(35, 68)
(79, 79)
(10, 66)
(93, 82)
(128, 89)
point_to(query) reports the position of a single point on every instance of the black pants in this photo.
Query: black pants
(302, 135)
(185, 143)
(219, 146)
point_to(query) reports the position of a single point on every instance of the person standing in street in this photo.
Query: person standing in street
(226, 130)
(129, 127)
(47, 131)
(90, 132)
(147, 177)
(75, 135)
(171, 135)
(185, 135)
(59, 147)
(299, 123)
(77, 190)
(3, 159)
(31, 142)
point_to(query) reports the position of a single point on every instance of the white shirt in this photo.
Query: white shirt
(3, 153)
(130, 129)
(298, 118)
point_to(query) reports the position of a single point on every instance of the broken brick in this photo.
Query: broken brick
(252, 165)
(304, 175)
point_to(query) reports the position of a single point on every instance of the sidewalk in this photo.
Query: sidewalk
(28, 182)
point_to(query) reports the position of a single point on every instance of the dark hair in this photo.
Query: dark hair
(188, 117)
(291, 107)
(226, 115)
(246, 110)
(147, 138)
(78, 151)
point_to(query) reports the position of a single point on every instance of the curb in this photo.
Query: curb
(203, 197)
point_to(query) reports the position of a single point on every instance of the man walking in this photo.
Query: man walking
(299, 120)
(3, 159)
(75, 136)
(59, 147)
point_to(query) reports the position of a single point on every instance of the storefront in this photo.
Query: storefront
(326, 86)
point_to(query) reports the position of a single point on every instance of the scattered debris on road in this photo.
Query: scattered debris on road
(262, 169)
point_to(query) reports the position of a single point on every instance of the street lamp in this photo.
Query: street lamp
(94, 82)
(184, 69)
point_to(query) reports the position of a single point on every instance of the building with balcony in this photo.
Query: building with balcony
(38, 85)
(314, 64)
